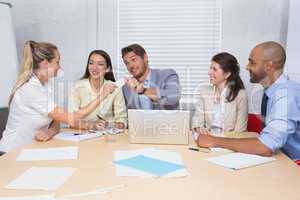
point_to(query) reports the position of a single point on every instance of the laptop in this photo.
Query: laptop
(158, 126)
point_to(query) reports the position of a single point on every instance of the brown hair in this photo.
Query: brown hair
(229, 64)
(136, 48)
(108, 75)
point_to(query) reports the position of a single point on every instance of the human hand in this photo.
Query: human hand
(106, 89)
(202, 131)
(134, 85)
(43, 135)
(206, 141)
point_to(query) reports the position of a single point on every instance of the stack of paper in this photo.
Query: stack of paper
(77, 136)
(42, 178)
(62, 153)
(240, 160)
(149, 163)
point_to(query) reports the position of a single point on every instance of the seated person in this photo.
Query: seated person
(98, 74)
(222, 106)
(148, 88)
(280, 107)
(32, 112)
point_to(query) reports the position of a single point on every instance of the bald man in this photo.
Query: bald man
(280, 107)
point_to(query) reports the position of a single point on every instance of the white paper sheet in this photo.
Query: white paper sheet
(42, 197)
(61, 153)
(42, 178)
(168, 156)
(95, 192)
(240, 160)
(218, 149)
(77, 136)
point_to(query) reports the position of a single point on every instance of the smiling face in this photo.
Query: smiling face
(97, 66)
(136, 65)
(256, 66)
(216, 74)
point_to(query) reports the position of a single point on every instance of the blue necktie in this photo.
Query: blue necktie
(264, 109)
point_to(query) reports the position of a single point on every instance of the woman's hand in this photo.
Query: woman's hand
(100, 124)
(106, 89)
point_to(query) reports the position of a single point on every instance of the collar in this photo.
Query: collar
(35, 80)
(89, 86)
(271, 89)
(147, 81)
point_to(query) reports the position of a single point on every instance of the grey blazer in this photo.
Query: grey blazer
(166, 82)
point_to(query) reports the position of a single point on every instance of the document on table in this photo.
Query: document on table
(149, 162)
(240, 160)
(218, 149)
(42, 178)
(43, 197)
(60, 153)
(77, 136)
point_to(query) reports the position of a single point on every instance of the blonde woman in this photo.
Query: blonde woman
(32, 113)
(223, 104)
(99, 72)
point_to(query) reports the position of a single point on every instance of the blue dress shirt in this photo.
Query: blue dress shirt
(282, 129)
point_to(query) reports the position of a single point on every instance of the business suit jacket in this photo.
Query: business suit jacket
(166, 82)
(236, 111)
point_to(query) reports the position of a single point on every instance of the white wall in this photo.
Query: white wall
(71, 25)
(293, 41)
(8, 55)
(247, 23)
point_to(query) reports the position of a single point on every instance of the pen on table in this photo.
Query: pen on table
(201, 149)
(193, 149)
(101, 118)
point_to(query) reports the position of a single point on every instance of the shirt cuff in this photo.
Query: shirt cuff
(267, 140)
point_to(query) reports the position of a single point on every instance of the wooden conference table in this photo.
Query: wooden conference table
(276, 180)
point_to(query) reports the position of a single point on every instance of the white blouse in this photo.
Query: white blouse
(28, 113)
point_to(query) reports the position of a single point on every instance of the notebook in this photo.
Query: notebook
(240, 160)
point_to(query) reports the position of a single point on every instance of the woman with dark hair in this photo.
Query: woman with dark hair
(222, 106)
(99, 76)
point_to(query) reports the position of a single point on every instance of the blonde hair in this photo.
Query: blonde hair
(33, 54)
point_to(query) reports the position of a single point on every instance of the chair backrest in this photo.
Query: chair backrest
(3, 119)
(254, 123)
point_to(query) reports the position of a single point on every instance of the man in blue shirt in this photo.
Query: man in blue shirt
(280, 107)
(149, 88)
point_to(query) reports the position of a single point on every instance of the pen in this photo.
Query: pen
(201, 149)
(101, 118)
(193, 149)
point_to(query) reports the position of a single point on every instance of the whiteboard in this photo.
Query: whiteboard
(8, 54)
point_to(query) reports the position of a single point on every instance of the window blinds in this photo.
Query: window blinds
(178, 34)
